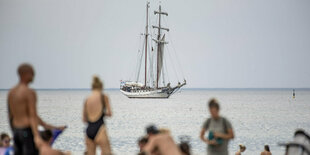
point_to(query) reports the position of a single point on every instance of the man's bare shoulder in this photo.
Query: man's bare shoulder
(31, 91)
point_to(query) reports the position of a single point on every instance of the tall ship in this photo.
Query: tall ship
(154, 84)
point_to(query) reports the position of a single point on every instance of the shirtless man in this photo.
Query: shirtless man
(22, 112)
(160, 143)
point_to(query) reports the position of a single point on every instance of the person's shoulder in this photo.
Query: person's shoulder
(225, 119)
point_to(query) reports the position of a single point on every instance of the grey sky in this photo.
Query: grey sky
(220, 43)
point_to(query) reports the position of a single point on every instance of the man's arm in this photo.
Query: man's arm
(9, 111)
(202, 137)
(108, 106)
(32, 109)
(48, 126)
(149, 147)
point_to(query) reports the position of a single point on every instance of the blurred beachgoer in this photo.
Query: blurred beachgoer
(242, 148)
(4, 143)
(44, 144)
(142, 142)
(266, 150)
(160, 143)
(220, 131)
(23, 117)
(185, 146)
(97, 107)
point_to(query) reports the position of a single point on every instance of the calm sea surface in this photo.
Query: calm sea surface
(258, 117)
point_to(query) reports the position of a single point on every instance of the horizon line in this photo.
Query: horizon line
(193, 88)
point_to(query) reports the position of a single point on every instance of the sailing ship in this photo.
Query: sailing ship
(154, 84)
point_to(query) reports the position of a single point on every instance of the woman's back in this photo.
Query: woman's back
(94, 106)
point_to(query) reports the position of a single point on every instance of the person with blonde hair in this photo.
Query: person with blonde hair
(242, 148)
(96, 107)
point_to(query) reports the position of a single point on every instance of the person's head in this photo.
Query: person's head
(47, 136)
(142, 142)
(214, 108)
(185, 148)
(152, 130)
(242, 148)
(97, 84)
(4, 140)
(267, 148)
(26, 73)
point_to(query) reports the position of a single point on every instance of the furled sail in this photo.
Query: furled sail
(161, 56)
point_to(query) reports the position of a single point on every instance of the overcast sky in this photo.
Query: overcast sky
(219, 43)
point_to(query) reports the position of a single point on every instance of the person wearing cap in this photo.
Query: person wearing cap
(242, 148)
(159, 143)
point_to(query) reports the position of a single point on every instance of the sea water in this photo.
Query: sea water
(258, 117)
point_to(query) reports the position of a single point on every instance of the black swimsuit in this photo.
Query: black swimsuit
(93, 127)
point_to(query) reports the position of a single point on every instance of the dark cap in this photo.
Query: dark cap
(152, 129)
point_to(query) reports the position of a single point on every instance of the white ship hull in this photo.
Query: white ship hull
(146, 94)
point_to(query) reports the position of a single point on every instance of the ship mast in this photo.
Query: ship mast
(158, 41)
(146, 36)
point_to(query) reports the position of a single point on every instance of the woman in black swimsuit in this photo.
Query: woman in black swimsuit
(97, 107)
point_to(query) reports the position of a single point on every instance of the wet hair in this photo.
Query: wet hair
(152, 129)
(143, 140)
(97, 84)
(24, 68)
(267, 148)
(46, 135)
(214, 104)
(3, 135)
(185, 148)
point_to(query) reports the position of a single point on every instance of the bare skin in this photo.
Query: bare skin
(230, 134)
(91, 112)
(163, 143)
(265, 153)
(22, 105)
(45, 148)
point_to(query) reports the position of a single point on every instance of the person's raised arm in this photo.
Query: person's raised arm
(108, 106)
